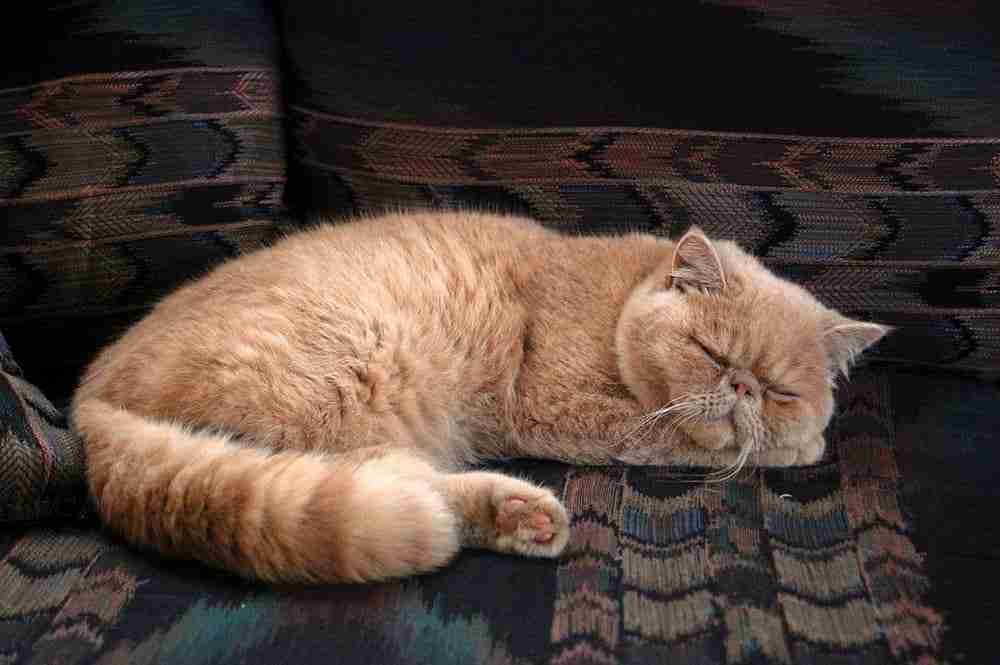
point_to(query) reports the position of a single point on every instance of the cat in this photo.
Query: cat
(309, 413)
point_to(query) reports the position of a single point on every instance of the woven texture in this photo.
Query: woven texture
(144, 147)
(854, 146)
(817, 565)
(846, 147)
(784, 566)
(41, 461)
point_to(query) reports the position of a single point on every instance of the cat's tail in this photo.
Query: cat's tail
(282, 516)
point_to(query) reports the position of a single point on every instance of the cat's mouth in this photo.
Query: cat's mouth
(715, 434)
(738, 429)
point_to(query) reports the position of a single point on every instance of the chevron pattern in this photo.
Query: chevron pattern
(37, 576)
(592, 155)
(108, 101)
(117, 187)
(782, 566)
(905, 232)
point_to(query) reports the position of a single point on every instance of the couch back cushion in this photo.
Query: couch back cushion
(855, 148)
(140, 144)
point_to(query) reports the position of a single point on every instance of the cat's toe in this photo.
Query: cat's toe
(533, 526)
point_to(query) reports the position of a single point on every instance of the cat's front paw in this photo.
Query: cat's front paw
(804, 455)
(530, 521)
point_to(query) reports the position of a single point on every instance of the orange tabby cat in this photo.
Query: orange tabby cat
(305, 413)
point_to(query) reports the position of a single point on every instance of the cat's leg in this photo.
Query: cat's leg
(487, 510)
(575, 429)
(480, 509)
(507, 514)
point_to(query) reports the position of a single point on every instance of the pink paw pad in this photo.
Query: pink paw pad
(515, 513)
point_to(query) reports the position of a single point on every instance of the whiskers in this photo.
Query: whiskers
(719, 476)
(682, 408)
(684, 411)
(732, 471)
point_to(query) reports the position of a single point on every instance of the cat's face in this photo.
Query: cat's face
(735, 357)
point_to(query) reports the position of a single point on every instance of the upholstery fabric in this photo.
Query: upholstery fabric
(140, 144)
(835, 563)
(41, 460)
(854, 147)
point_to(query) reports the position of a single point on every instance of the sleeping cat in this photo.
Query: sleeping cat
(308, 412)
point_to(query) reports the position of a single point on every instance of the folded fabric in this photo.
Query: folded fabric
(41, 460)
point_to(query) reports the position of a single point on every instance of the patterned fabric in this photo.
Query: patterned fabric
(901, 232)
(862, 159)
(142, 148)
(782, 566)
(805, 566)
(852, 145)
(41, 461)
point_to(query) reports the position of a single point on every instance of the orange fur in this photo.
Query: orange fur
(304, 413)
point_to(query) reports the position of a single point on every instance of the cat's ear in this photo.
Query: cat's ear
(696, 264)
(846, 339)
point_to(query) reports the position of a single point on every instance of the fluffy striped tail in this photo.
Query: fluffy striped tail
(283, 516)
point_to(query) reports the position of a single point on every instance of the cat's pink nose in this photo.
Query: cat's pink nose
(744, 382)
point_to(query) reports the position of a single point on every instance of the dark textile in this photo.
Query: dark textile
(846, 146)
(880, 68)
(817, 565)
(854, 146)
(41, 460)
(140, 144)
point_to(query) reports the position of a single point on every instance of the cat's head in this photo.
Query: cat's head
(735, 356)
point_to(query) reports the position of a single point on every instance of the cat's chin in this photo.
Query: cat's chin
(710, 445)
(713, 435)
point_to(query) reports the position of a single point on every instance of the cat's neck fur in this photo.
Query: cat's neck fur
(578, 289)
(575, 293)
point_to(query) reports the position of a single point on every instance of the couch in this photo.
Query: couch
(855, 147)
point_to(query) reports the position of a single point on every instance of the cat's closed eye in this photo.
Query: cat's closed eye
(781, 395)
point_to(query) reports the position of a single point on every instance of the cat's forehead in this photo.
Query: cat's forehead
(780, 329)
(764, 320)
(765, 323)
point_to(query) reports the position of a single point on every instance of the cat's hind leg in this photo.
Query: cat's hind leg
(479, 508)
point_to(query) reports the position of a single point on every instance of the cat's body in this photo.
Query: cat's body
(304, 413)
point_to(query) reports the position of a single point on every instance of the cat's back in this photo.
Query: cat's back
(428, 289)
(386, 252)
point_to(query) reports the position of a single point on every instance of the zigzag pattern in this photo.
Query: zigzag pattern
(58, 164)
(926, 263)
(76, 277)
(36, 578)
(122, 99)
(585, 155)
(585, 621)
(115, 188)
(770, 578)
